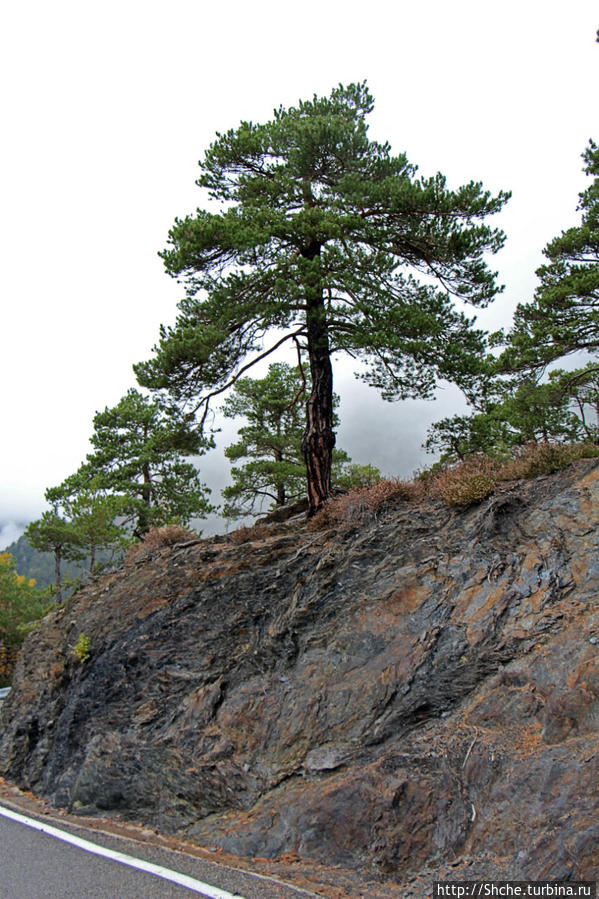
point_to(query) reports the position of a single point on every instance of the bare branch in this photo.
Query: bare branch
(205, 401)
(302, 389)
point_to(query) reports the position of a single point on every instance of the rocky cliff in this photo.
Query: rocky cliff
(413, 695)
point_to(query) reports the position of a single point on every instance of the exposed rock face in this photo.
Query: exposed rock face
(416, 693)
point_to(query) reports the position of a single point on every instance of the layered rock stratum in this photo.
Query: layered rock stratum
(411, 696)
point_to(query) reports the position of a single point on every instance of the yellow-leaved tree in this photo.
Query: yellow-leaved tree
(21, 605)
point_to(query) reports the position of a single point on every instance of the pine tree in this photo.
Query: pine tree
(525, 411)
(95, 514)
(563, 317)
(139, 459)
(56, 534)
(318, 237)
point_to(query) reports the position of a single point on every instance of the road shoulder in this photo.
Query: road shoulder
(286, 877)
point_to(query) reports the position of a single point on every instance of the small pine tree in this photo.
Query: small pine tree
(139, 470)
(274, 470)
(54, 533)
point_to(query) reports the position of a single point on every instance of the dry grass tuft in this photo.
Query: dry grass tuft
(471, 481)
(156, 538)
(365, 502)
(536, 459)
(467, 483)
(246, 534)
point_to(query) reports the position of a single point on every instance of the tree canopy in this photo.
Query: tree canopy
(319, 237)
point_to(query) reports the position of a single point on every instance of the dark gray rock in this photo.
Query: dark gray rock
(413, 695)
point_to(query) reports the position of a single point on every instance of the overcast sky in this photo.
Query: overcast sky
(107, 107)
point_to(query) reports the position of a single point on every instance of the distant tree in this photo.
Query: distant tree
(353, 476)
(318, 239)
(460, 436)
(540, 413)
(563, 317)
(54, 533)
(274, 470)
(139, 458)
(525, 411)
(39, 566)
(93, 514)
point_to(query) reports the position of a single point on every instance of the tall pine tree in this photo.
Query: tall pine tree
(317, 236)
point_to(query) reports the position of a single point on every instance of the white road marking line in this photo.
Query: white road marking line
(205, 889)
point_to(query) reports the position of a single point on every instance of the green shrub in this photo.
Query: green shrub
(82, 648)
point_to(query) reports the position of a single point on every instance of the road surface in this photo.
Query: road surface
(36, 864)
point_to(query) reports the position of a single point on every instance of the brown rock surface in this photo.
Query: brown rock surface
(415, 697)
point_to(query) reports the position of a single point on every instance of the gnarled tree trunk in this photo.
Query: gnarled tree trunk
(319, 437)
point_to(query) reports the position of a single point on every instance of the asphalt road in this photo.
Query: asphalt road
(36, 865)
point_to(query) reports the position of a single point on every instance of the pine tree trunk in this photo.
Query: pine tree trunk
(281, 495)
(146, 490)
(57, 559)
(143, 518)
(319, 437)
